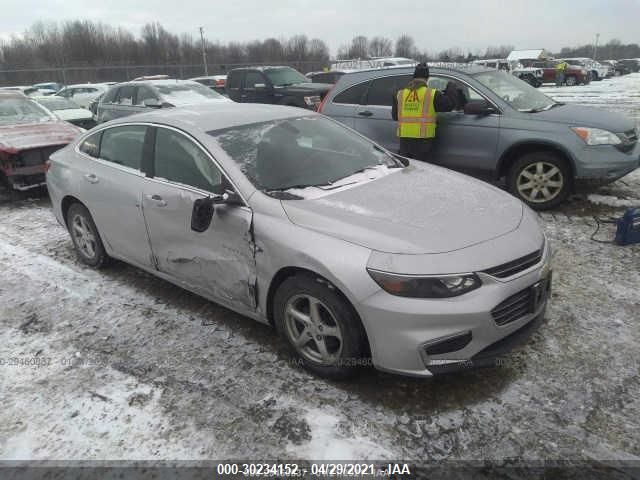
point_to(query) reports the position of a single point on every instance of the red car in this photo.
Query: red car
(573, 75)
(29, 133)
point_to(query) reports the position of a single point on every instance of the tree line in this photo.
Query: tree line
(85, 43)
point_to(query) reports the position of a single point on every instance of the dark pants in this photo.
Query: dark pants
(559, 78)
(416, 148)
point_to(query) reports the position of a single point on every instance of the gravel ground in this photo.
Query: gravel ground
(117, 364)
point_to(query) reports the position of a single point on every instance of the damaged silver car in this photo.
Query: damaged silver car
(354, 254)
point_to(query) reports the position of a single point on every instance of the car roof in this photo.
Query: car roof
(86, 85)
(216, 115)
(262, 68)
(163, 81)
(465, 69)
(209, 77)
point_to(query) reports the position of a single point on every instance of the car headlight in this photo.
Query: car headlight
(596, 136)
(444, 286)
(313, 100)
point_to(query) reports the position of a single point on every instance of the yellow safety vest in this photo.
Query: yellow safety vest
(561, 66)
(416, 113)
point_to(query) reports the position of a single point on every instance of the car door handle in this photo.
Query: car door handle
(365, 113)
(91, 178)
(158, 200)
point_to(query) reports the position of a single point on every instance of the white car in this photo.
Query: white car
(83, 94)
(67, 110)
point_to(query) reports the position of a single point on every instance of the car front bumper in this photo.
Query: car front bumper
(403, 331)
(603, 164)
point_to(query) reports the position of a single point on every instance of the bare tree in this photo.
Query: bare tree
(359, 47)
(380, 47)
(405, 46)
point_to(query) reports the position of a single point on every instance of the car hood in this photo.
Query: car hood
(14, 138)
(313, 88)
(74, 114)
(417, 210)
(580, 116)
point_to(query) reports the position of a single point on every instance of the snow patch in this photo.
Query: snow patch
(612, 201)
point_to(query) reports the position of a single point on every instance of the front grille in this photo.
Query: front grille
(514, 307)
(515, 266)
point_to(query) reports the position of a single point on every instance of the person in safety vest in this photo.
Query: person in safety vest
(560, 71)
(414, 108)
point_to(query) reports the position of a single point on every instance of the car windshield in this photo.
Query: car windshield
(22, 110)
(300, 152)
(57, 103)
(186, 93)
(285, 76)
(520, 95)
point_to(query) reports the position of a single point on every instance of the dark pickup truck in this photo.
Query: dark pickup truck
(276, 85)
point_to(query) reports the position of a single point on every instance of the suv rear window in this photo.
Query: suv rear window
(234, 79)
(352, 95)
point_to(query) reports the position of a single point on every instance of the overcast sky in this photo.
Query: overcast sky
(468, 24)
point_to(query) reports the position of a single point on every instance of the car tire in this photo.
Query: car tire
(85, 237)
(540, 179)
(335, 345)
(571, 81)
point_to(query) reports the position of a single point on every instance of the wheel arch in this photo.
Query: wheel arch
(66, 203)
(290, 271)
(516, 150)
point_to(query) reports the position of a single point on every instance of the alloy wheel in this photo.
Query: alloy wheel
(84, 237)
(540, 182)
(313, 329)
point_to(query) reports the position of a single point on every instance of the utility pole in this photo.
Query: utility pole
(595, 46)
(204, 53)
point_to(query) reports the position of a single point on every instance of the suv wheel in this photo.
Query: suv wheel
(540, 179)
(320, 326)
(571, 81)
(85, 237)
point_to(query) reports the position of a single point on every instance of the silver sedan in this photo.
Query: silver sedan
(353, 254)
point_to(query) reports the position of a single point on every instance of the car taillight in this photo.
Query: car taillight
(47, 165)
(220, 83)
(321, 106)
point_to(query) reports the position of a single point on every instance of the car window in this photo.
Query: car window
(234, 80)
(126, 95)
(110, 96)
(144, 93)
(180, 160)
(64, 93)
(123, 145)
(91, 145)
(352, 95)
(382, 90)
(252, 78)
(440, 83)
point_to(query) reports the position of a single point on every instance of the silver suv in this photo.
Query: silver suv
(138, 96)
(506, 129)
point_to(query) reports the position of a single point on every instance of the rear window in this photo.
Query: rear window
(234, 79)
(352, 95)
(123, 145)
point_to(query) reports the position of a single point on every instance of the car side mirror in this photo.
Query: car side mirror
(152, 103)
(229, 197)
(478, 107)
(202, 214)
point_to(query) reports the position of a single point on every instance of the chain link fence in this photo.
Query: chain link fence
(72, 74)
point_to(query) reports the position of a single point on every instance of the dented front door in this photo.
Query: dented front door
(218, 262)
